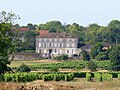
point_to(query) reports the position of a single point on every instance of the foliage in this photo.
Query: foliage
(106, 77)
(58, 77)
(102, 56)
(92, 66)
(96, 49)
(62, 57)
(73, 65)
(119, 76)
(114, 31)
(6, 40)
(54, 69)
(48, 77)
(114, 56)
(88, 77)
(22, 77)
(85, 56)
(29, 43)
(23, 68)
(69, 77)
(98, 77)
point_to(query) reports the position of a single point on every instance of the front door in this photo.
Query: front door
(50, 51)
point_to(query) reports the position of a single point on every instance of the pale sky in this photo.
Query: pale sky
(83, 12)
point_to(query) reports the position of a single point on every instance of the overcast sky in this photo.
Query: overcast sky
(83, 12)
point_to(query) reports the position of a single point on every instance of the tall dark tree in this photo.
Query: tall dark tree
(29, 43)
(114, 31)
(31, 26)
(114, 56)
(91, 33)
(52, 26)
(6, 40)
(85, 56)
(96, 49)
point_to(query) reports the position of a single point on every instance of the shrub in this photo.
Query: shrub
(88, 76)
(23, 68)
(48, 77)
(92, 66)
(102, 56)
(106, 77)
(62, 57)
(80, 74)
(98, 77)
(58, 77)
(85, 56)
(69, 77)
(65, 57)
(54, 69)
(119, 76)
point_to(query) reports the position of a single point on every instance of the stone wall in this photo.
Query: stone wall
(27, 56)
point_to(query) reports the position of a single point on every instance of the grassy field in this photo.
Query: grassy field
(18, 63)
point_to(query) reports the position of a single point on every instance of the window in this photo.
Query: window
(73, 44)
(40, 51)
(61, 45)
(50, 45)
(39, 44)
(73, 40)
(39, 39)
(55, 51)
(50, 39)
(45, 45)
(67, 51)
(72, 50)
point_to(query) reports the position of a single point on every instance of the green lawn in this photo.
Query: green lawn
(18, 63)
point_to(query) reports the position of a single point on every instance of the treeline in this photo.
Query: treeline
(93, 33)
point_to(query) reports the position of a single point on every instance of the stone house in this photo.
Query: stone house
(21, 32)
(54, 44)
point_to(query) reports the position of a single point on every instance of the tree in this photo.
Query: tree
(96, 49)
(92, 66)
(114, 31)
(52, 26)
(102, 56)
(85, 56)
(23, 68)
(31, 26)
(6, 40)
(76, 30)
(29, 43)
(91, 33)
(114, 56)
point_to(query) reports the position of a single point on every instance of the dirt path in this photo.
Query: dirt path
(37, 85)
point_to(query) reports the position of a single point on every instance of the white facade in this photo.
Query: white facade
(56, 46)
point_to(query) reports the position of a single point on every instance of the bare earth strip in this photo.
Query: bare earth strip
(77, 84)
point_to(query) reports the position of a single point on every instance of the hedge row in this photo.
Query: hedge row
(27, 77)
(100, 77)
(71, 65)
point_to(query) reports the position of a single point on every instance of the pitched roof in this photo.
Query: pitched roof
(43, 31)
(56, 35)
(23, 29)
